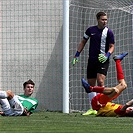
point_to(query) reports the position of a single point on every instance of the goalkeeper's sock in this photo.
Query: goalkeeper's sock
(119, 70)
(98, 89)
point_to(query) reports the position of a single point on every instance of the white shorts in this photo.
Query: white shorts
(12, 107)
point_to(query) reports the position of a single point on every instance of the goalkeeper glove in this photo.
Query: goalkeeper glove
(103, 57)
(75, 59)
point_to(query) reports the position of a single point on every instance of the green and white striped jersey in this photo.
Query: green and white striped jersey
(28, 102)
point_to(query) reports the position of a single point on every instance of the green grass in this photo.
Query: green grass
(55, 122)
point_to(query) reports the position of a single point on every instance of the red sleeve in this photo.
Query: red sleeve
(119, 112)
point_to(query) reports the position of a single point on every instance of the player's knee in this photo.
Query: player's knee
(10, 94)
(116, 90)
(100, 83)
(124, 85)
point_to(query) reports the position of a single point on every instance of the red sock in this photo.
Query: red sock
(119, 70)
(98, 89)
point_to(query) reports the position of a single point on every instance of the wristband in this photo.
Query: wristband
(77, 54)
(108, 54)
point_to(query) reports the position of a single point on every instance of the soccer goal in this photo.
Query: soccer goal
(82, 15)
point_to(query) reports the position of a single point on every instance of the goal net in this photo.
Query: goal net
(82, 15)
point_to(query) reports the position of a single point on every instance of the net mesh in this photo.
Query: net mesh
(31, 48)
(82, 15)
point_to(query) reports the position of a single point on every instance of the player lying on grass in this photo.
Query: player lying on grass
(18, 105)
(102, 101)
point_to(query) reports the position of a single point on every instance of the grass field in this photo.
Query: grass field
(56, 122)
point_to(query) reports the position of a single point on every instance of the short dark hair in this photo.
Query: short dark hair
(129, 114)
(28, 82)
(99, 14)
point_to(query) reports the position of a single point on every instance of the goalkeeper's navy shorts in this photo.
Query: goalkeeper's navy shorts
(95, 67)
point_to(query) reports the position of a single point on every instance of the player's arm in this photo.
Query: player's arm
(128, 104)
(111, 42)
(81, 45)
(79, 50)
(111, 48)
(26, 112)
(103, 57)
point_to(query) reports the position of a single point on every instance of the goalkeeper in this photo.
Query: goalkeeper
(18, 105)
(100, 48)
(102, 102)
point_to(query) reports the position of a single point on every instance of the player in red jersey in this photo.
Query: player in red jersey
(102, 102)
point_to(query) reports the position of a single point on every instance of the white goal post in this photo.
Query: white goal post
(81, 16)
(65, 56)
